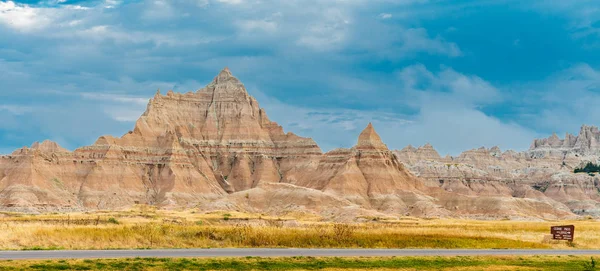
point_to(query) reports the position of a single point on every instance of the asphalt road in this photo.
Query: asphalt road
(265, 252)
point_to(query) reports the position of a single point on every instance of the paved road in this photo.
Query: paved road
(260, 252)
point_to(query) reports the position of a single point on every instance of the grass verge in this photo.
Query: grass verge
(551, 263)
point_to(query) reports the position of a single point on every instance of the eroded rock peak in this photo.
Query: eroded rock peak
(370, 140)
(585, 143)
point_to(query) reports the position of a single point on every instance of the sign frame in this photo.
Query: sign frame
(564, 232)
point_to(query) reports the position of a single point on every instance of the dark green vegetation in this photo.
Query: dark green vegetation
(590, 266)
(557, 263)
(589, 168)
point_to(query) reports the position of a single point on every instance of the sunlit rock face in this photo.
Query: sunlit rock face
(185, 148)
(215, 148)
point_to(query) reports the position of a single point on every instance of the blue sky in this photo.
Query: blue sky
(457, 74)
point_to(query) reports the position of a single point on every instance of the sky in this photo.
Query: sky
(456, 74)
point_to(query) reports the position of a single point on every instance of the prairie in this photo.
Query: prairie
(144, 228)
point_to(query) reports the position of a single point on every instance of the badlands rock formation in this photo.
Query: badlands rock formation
(215, 148)
(543, 173)
(185, 148)
(586, 143)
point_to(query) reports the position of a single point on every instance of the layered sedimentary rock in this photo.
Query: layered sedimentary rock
(185, 148)
(587, 142)
(544, 173)
(24, 181)
(215, 148)
(412, 154)
(225, 126)
(368, 175)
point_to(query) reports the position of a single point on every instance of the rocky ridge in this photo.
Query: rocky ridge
(587, 142)
(545, 172)
(215, 149)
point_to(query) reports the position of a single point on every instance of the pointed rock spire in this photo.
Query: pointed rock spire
(409, 148)
(427, 151)
(157, 96)
(224, 76)
(48, 146)
(554, 140)
(370, 140)
(427, 146)
(227, 84)
(569, 141)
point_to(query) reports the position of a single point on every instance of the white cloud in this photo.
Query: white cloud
(448, 115)
(111, 3)
(469, 88)
(321, 123)
(27, 18)
(452, 129)
(115, 98)
(22, 17)
(76, 7)
(455, 129)
(88, 49)
(318, 25)
(231, 2)
(564, 101)
(100, 33)
(158, 10)
(15, 109)
(124, 114)
(449, 112)
(583, 16)
(385, 16)
(328, 31)
(447, 86)
(417, 39)
(260, 25)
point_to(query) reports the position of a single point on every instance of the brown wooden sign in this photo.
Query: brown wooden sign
(563, 232)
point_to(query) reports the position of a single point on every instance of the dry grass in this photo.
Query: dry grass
(145, 227)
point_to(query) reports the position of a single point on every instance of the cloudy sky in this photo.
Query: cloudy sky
(457, 74)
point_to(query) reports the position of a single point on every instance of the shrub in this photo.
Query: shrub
(591, 266)
(589, 168)
(542, 187)
(113, 220)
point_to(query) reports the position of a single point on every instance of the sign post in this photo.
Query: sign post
(563, 232)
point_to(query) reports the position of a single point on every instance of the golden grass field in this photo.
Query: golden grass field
(146, 227)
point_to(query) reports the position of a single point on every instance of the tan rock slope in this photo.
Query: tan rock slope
(368, 175)
(185, 148)
(215, 148)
